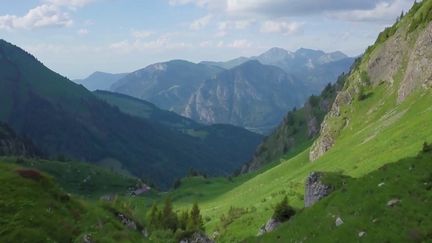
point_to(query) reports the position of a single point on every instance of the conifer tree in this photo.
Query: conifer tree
(195, 220)
(169, 218)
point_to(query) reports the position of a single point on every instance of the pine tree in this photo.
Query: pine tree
(195, 220)
(169, 218)
(183, 220)
(154, 217)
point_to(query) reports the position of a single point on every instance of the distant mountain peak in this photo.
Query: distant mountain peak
(276, 53)
(309, 52)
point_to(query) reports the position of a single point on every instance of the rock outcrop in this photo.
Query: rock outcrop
(271, 225)
(401, 59)
(315, 189)
(197, 238)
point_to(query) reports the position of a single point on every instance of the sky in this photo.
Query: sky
(78, 37)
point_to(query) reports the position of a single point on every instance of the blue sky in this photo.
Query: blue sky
(78, 37)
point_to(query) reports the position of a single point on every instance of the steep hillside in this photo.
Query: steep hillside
(298, 130)
(12, 144)
(396, 66)
(144, 109)
(100, 80)
(63, 118)
(408, 219)
(168, 85)
(233, 144)
(251, 95)
(376, 126)
(35, 209)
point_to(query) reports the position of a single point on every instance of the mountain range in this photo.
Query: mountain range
(100, 80)
(65, 119)
(197, 90)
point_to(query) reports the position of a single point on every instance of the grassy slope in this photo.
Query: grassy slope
(409, 180)
(37, 210)
(355, 154)
(80, 178)
(379, 131)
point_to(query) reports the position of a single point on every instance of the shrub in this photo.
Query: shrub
(30, 174)
(427, 147)
(283, 211)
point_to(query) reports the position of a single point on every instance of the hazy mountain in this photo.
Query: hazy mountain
(251, 95)
(168, 85)
(229, 64)
(63, 118)
(191, 89)
(100, 80)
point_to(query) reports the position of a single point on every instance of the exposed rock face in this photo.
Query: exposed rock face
(271, 225)
(328, 133)
(419, 71)
(315, 189)
(252, 95)
(298, 126)
(197, 238)
(404, 57)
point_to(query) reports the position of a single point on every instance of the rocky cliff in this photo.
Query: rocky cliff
(400, 58)
(298, 128)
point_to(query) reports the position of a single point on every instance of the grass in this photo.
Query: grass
(34, 209)
(408, 180)
(371, 132)
(379, 131)
(80, 178)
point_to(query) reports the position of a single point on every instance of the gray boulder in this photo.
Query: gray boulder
(315, 189)
(197, 238)
(271, 225)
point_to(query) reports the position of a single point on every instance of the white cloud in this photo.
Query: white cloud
(69, 3)
(141, 34)
(283, 27)
(357, 10)
(240, 44)
(383, 11)
(51, 13)
(39, 17)
(236, 24)
(83, 32)
(163, 42)
(210, 4)
(201, 22)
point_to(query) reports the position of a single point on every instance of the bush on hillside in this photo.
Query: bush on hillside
(427, 147)
(283, 211)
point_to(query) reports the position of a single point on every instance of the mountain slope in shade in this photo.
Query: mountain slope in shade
(168, 85)
(13, 145)
(63, 118)
(251, 95)
(100, 80)
(235, 143)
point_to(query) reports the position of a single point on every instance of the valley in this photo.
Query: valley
(302, 146)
